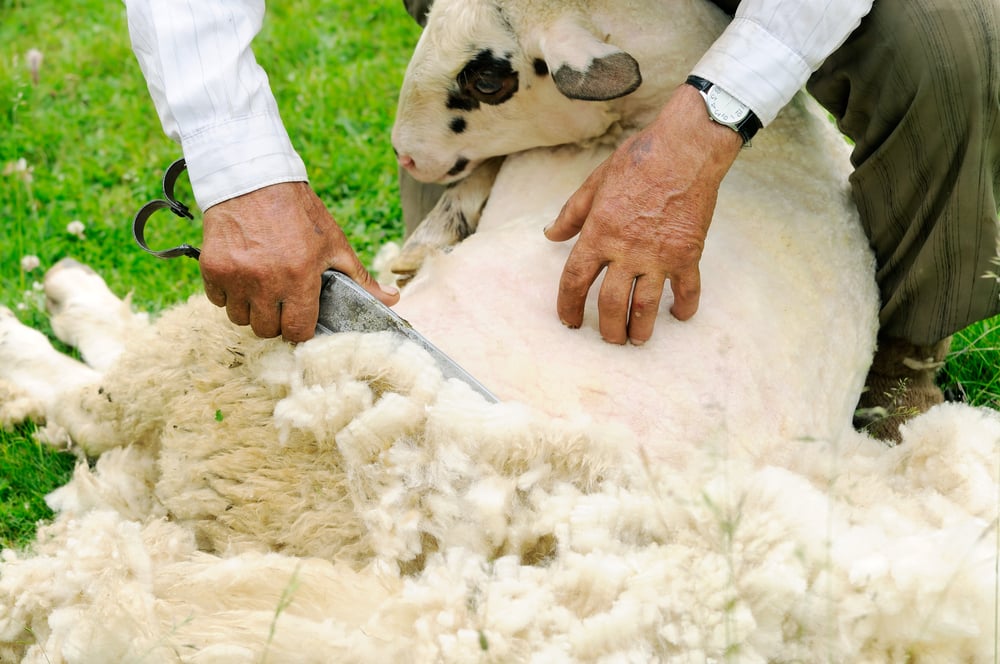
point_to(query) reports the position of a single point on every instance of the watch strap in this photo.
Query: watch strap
(747, 127)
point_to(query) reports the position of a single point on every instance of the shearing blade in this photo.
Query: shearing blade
(344, 306)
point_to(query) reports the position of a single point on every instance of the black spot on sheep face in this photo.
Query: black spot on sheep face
(459, 167)
(486, 79)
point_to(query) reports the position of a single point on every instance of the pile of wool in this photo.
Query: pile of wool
(340, 501)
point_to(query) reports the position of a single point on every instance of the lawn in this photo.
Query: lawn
(80, 142)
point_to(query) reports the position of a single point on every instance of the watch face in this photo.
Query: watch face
(726, 108)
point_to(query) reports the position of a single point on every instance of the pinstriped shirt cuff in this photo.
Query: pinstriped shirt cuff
(240, 156)
(754, 66)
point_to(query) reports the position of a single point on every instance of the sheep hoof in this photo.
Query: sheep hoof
(406, 265)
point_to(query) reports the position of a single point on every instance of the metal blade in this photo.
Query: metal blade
(344, 306)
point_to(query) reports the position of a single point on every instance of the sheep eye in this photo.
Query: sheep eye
(488, 86)
(485, 79)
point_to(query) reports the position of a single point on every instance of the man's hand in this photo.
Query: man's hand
(644, 214)
(263, 256)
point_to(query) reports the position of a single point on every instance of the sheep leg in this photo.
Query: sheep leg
(87, 315)
(454, 218)
(33, 374)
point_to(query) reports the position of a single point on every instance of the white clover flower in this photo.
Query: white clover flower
(30, 262)
(20, 168)
(12, 167)
(76, 228)
(34, 59)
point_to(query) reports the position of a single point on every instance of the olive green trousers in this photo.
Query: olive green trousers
(917, 89)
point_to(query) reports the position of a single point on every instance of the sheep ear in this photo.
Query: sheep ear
(585, 67)
(418, 10)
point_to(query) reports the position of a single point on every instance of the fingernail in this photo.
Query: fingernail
(390, 290)
(636, 342)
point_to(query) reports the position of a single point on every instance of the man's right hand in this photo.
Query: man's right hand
(263, 256)
(642, 217)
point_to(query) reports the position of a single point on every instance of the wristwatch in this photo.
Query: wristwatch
(726, 109)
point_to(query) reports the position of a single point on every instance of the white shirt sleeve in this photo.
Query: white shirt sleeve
(771, 47)
(211, 95)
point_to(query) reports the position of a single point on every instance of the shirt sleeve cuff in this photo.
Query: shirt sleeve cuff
(240, 156)
(754, 66)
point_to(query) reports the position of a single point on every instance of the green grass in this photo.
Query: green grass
(95, 152)
(28, 471)
(972, 369)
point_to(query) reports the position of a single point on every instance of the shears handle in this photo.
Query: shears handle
(175, 206)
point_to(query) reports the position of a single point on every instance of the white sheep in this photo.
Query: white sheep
(491, 78)
(801, 257)
(340, 501)
(699, 498)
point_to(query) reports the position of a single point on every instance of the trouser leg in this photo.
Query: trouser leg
(917, 88)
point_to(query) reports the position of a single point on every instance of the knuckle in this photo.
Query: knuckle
(686, 290)
(645, 304)
(265, 331)
(237, 318)
(574, 274)
(297, 333)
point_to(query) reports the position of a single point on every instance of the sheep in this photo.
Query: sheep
(533, 56)
(341, 501)
(488, 79)
(701, 496)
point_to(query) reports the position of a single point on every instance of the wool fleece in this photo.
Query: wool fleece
(340, 501)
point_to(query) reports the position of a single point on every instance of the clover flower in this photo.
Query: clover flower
(19, 168)
(76, 228)
(30, 262)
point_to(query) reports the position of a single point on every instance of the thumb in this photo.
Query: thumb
(573, 214)
(387, 295)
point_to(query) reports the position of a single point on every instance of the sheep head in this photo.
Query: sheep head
(493, 77)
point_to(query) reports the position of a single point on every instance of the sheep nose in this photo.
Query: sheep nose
(406, 161)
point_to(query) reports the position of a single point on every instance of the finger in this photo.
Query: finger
(350, 264)
(215, 295)
(238, 311)
(686, 287)
(300, 312)
(645, 305)
(578, 275)
(265, 319)
(613, 304)
(575, 211)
